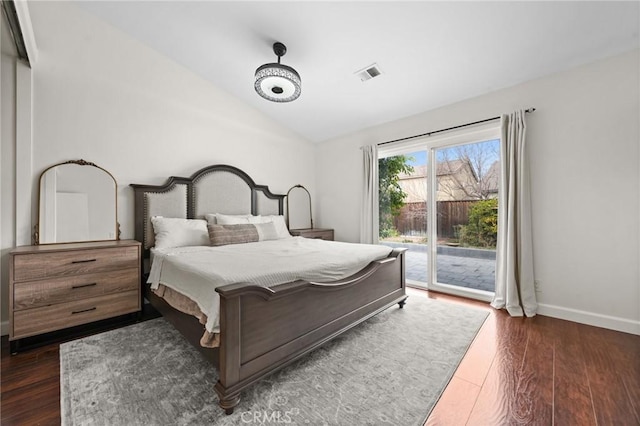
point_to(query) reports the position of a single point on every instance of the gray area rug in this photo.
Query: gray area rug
(390, 369)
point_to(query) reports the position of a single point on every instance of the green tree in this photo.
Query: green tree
(391, 195)
(482, 229)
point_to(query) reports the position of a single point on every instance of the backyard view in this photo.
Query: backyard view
(465, 207)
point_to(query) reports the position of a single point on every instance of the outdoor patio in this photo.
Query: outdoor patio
(461, 267)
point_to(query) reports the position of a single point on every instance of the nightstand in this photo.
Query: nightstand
(57, 286)
(317, 233)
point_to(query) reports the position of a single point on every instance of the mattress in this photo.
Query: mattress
(196, 271)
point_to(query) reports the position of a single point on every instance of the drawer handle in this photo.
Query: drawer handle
(84, 310)
(84, 261)
(83, 285)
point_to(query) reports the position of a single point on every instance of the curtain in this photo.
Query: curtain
(369, 214)
(515, 289)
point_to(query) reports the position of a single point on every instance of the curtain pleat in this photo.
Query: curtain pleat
(369, 215)
(515, 288)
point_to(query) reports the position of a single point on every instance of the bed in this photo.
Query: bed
(260, 328)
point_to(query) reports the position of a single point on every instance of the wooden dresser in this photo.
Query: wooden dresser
(319, 233)
(56, 286)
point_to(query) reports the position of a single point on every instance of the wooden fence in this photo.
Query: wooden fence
(412, 219)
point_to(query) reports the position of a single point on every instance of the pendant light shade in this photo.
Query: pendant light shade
(276, 82)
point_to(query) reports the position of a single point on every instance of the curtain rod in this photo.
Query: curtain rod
(447, 129)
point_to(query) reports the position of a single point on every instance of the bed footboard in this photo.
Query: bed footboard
(264, 329)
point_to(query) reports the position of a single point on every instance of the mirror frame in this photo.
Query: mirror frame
(310, 210)
(80, 162)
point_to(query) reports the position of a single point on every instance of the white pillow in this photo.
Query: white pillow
(211, 218)
(258, 219)
(176, 232)
(266, 231)
(279, 223)
(227, 219)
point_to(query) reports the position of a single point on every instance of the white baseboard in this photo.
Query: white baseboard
(590, 318)
(4, 328)
(569, 314)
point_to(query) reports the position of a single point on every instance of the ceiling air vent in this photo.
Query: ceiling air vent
(369, 72)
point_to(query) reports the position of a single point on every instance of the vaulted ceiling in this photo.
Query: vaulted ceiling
(430, 53)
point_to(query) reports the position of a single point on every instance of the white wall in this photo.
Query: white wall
(104, 97)
(583, 144)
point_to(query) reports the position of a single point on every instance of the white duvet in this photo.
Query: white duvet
(196, 271)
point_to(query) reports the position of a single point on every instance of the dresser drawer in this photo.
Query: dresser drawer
(32, 294)
(29, 322)
(28, 267)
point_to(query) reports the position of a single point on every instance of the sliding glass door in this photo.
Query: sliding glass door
(403, 209)
(438, 198)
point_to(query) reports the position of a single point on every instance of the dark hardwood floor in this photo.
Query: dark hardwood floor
(518, 371)
(542, 371)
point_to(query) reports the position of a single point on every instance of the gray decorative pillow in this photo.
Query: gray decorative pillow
(221, 235)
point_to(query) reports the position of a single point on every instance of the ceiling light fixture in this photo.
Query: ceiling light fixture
(277, 82)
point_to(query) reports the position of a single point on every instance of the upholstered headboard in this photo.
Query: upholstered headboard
(214, 189)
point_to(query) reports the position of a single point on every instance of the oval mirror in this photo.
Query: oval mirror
(77, 202)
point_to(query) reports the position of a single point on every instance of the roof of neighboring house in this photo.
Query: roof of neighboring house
(492, 177)
(450, 167)
(443, 168)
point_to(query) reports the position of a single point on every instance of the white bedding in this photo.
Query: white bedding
(196, 271)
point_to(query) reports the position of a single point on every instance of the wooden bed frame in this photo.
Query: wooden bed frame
(261, 329)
